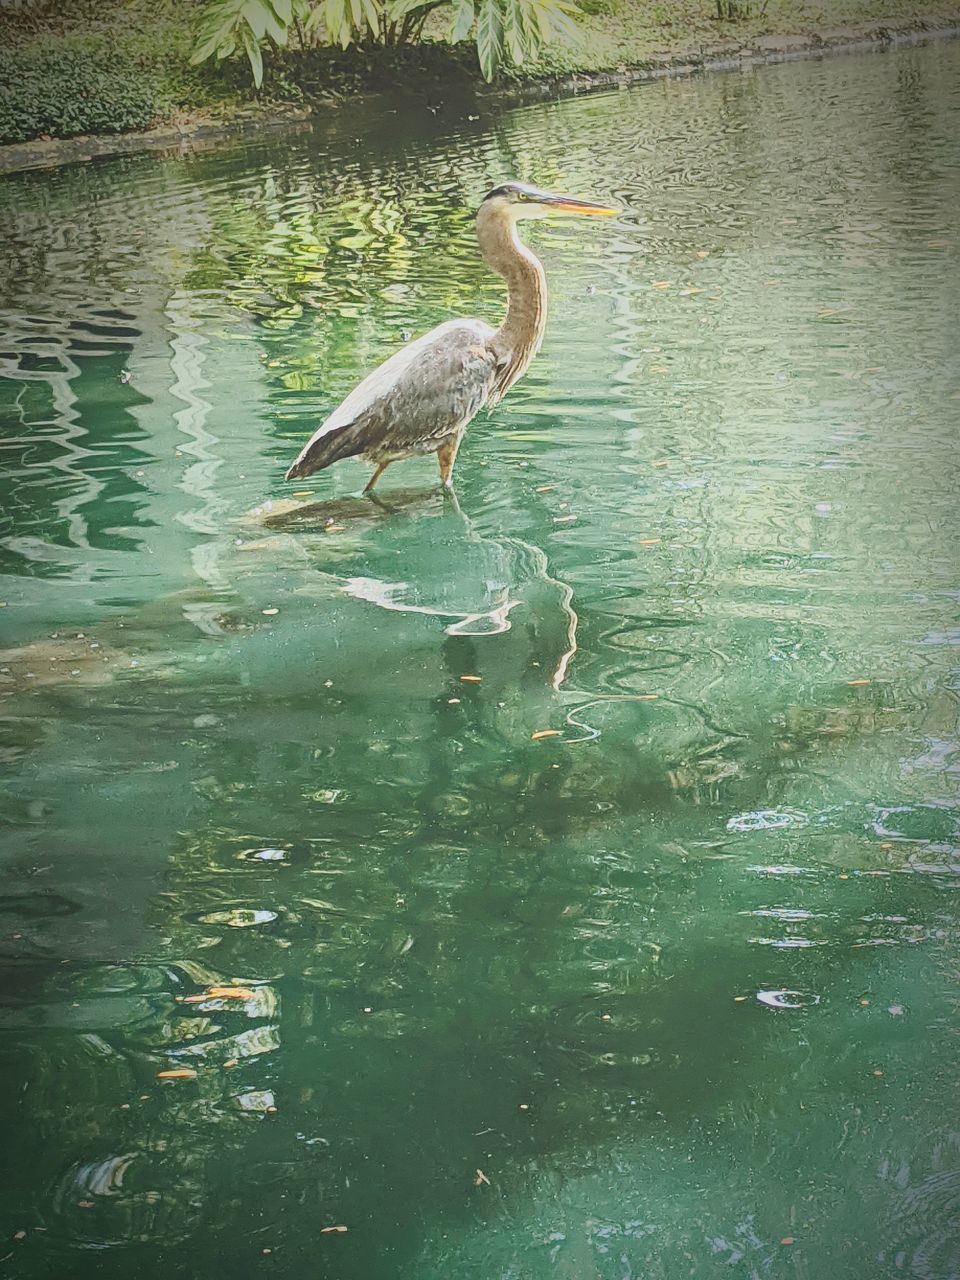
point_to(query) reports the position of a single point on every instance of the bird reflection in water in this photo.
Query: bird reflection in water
(495, 575)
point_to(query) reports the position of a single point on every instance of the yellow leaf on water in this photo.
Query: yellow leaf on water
(544, 488)
(471, 679)
(326, 1230)
(177, 1073)
(303, 493)
(856, 682)
(648, 542)
(230, 993)
(662, 284)
(546, 733)
(269, 613)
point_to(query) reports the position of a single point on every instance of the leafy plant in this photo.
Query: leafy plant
(63, 92)
(226, 25)
(504, 30)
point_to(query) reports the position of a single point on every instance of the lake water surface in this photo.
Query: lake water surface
(670, 992)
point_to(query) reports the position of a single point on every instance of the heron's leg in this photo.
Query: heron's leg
(376, 476)
(446, 456)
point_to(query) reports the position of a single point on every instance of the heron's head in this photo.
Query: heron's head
(516, 200)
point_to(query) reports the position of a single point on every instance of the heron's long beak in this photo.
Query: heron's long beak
(568, 204)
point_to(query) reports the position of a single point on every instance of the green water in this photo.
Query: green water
(711, 539)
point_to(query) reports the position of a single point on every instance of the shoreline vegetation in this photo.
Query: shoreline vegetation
(141, 92)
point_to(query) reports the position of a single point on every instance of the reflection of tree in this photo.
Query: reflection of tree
(484, 955)
(485, 897)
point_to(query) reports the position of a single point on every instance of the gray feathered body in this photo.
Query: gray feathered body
(419, 399)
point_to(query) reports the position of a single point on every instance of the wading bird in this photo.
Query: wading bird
(421, 399)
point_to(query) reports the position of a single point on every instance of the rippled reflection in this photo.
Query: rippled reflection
(596, 832)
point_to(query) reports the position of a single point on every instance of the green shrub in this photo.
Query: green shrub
(63, 92)
(505, 32)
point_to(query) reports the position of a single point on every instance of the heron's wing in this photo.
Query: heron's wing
(424, 392)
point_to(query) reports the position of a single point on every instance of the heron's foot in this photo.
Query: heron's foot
(378, 501)
(449, 495)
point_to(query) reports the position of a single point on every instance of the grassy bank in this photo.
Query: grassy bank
(123, 66)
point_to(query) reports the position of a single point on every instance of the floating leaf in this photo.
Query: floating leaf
(177, 1073)
(784, 999)
(545, 733)
(220, 993)
(239, 917)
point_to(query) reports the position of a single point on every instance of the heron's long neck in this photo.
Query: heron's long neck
(518, 339)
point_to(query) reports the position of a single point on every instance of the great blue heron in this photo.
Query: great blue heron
(421, 399)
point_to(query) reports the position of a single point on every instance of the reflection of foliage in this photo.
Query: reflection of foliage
(338, 279)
